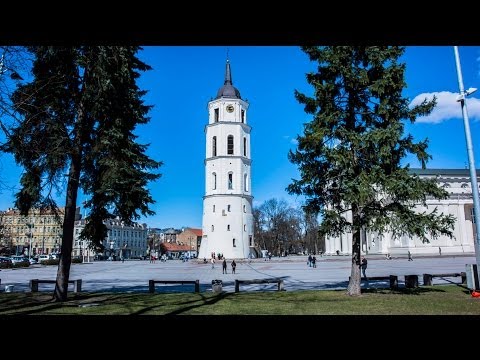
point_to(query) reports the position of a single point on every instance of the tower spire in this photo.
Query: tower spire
(228, 90)
(228, 73)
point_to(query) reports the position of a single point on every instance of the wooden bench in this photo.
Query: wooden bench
(392, 278)
(259, 281)
(427, 278)
(77, 284)
(151, 284)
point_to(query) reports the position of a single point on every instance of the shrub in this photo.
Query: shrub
(5, 265)
(76, 260)
(21, 264)
(49, 262)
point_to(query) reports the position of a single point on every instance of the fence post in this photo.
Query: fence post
(237, 286)
(197, 286)
(34, 285)
(427, 279)
(151, 286)
(280, 285)
(411, 281)
(393, 281)
(77, 285)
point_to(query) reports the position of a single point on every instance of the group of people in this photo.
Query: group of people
(224, 265)
(312, 261)
(218, 256)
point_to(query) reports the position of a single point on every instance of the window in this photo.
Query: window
(228, 208)
(213, 208)
(228, 227)
(230, 181)
(243, 116)
(216, 115)
(244, 227)
(234, 245)
(214, 146)
(230, 145)
(244, 208)
(245, 182)
(213, 228)
(214, 181)
(250, 239)
(244, 146)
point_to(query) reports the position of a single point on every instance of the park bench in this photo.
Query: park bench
(392, 278)
(151, 284)
(77, 284)
(259, 281)
(427, 278)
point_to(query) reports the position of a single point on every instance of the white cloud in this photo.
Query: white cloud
(292, 140)
(447, 107)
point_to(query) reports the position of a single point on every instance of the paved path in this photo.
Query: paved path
(332, 272)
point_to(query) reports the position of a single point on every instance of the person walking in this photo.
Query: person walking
(364, 266)
(439, 251)
(224, 266)
(314, 261)
(234, 265)
(212, 260)
(410, 256)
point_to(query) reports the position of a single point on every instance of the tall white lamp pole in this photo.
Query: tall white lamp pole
(471, 160)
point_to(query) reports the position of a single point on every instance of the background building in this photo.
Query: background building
(192, 238)
(40, 230)
(459, 203)
(122, 240)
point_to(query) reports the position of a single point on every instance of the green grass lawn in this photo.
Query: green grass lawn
(428, 300)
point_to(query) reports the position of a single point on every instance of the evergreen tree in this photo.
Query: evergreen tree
(79, 114)
(350, 154)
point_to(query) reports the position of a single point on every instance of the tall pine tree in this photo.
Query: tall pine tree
(79, 116)
(350, 154)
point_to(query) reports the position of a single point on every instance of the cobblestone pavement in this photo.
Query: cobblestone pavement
(332, 272)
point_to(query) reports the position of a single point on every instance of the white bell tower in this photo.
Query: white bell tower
(227, 204)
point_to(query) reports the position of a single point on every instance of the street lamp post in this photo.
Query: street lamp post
(43, 238)
(190, 250)
(30, 235)
(471, 160)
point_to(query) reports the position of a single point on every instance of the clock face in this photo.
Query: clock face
(230, 108)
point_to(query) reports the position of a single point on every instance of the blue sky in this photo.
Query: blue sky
(185, 78)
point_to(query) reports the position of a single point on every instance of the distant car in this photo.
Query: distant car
(4, 259)
(43, 257)
(18, 259)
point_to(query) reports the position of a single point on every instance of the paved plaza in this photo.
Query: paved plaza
(332, 272)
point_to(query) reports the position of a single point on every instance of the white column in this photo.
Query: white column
(337, 243)
(328, 245)
(346, 243)
(462, 227)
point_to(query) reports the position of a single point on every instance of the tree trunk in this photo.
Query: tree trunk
(354, 288)
(63, 272)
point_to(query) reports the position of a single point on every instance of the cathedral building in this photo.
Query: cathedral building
(459, 204)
